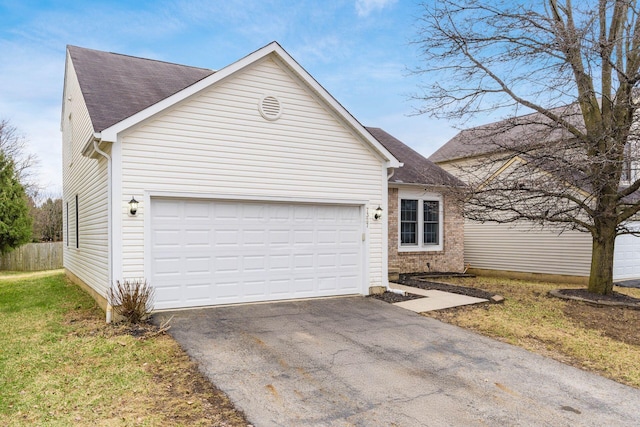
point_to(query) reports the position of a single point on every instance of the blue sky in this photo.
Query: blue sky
(359, 50)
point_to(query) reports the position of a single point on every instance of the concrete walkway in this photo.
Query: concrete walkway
(434, 300)
(357, 361)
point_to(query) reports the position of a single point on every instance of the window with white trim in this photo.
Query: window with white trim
(420, 221)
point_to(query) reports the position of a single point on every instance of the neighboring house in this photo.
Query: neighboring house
(253, 183)
(521, 249)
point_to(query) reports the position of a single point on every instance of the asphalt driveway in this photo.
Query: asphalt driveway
(363, 362)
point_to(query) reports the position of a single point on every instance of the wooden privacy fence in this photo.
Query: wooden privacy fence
(33, 257)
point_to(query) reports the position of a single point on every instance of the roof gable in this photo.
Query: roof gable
(162, 85)
(415, 169)
(116, 86)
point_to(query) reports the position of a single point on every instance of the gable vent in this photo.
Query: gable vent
(270, 107)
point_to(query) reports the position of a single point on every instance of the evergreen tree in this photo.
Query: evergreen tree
(15, 221)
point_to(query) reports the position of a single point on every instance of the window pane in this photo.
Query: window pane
(431, 211)
(408, 233)
(431, 234)
(409, 222)
(409, 210)
(431, 222)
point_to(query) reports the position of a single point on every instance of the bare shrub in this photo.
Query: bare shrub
(132, 299)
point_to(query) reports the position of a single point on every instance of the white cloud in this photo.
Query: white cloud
(365, 7)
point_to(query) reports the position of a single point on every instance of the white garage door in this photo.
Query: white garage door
(206, 252)
(626, 261)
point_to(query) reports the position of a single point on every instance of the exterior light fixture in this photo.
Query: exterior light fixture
(133, 206)
(378, 213)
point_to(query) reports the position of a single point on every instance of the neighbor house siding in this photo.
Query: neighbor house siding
(449, 259)
(522, 248)
(87, 179)
(217, 143)
(518, 247)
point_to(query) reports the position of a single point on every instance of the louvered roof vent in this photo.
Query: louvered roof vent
(270, 107)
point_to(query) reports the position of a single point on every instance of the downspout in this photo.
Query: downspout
(390, 172)
(96, 139)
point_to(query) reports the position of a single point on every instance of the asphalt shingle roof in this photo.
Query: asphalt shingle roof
(510, 133)
(117, 86)
(417, 169)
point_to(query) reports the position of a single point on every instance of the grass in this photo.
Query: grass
(61, 365)
(605, 340)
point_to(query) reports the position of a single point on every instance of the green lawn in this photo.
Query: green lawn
(60, 364)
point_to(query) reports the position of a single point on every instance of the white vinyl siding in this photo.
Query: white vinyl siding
(86, 178)
(519, 247)
(217, 143)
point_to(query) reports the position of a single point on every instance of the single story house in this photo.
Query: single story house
(246, 184)
(520, 249)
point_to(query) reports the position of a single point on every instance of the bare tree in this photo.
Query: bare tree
(575, 67)
(14, 145)
(47, 220)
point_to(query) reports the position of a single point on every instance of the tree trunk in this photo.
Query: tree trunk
(601, 276)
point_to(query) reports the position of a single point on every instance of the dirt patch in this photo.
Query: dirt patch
(618, 323)
(183, 387)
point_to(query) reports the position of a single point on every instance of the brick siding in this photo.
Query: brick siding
(450, 259)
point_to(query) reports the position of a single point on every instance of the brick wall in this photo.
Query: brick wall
(450, 259)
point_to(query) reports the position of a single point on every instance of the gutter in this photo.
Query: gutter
(97, 138)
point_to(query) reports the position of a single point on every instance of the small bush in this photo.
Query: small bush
(132, 299)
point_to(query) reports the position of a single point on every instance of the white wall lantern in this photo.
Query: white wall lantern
(378, 213)
(133, 206)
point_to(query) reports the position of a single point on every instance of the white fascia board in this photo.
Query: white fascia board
(64, 89)
(111, 133)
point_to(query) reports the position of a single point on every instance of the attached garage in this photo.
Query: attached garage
(252, 182)
(209, 252)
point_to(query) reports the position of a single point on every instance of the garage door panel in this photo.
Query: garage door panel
(227, 264)
(197, 210)
(327, 283)
(255, 238)
(166, 209)
(197, 265)
(223, 252)
(198, 237)
(349, 260)
(168, 294)
(166, 238)
(226, 238)
(198, 291)
(163, 266)
(626, 263)
(327, 260)
(279, 237)
(303, 237)
(280, 287)
(303, 214)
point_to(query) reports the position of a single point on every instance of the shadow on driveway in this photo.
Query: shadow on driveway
(359, 361)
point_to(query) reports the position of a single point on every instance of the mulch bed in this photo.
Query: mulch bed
(613, 299)
(425, 281)
(392, 297)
